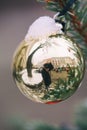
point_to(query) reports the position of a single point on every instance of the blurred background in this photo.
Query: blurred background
(15, 18)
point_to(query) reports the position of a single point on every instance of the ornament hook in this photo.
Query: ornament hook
(57, 17)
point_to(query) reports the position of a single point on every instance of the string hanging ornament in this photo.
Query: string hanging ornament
(48, 66)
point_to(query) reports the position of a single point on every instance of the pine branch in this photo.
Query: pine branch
(76, 20)
(84, 26)
(78, 26)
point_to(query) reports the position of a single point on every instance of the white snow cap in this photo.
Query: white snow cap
(43, 27)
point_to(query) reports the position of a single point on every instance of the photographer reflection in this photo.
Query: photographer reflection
(45, 71)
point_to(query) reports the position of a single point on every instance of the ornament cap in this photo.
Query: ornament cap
(43, 27)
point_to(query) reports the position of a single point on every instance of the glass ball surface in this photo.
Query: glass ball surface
(48, 70)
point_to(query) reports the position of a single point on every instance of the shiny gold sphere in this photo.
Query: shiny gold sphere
(48, 70)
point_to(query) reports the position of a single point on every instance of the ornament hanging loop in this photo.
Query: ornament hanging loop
(57, 17)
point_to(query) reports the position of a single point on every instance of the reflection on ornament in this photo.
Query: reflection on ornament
(48, 70)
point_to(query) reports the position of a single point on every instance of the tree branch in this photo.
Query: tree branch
(74, 20)
(78, 26)
(76, 23)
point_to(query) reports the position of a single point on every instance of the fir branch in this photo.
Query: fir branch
(61, 3)
(76, 23)
(75, 19)
(78, 26)
(84, 26)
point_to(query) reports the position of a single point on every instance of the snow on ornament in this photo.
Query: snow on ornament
(48, 66)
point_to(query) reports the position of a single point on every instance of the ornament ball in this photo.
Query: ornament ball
(48, 66)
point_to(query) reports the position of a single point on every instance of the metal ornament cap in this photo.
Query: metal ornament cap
(43, 27)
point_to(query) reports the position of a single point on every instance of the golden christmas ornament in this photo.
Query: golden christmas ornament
(48, 66)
